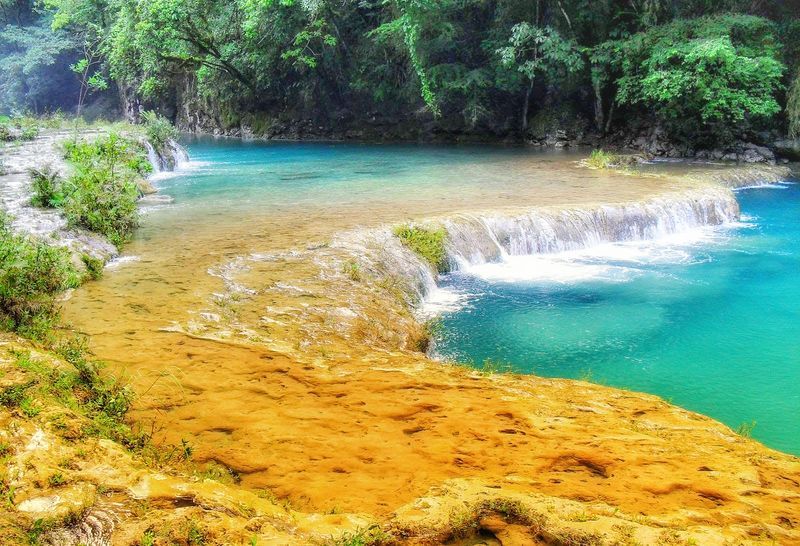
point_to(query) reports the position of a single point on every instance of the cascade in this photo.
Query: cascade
(152, 156)
(492, 237)
(480, 238)
(168, 159)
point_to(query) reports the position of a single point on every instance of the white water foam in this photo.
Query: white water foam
(120, 261)
(603, 244)
(181, 169)
(609, 262)
(443, 299)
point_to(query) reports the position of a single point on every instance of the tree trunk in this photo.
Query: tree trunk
(610, 117)
(598, 106)
(526, 106)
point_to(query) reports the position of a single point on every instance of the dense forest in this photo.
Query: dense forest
(700, 73)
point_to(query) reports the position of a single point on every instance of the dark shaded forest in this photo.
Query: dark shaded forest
(695, 73)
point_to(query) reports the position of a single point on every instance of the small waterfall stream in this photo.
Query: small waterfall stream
(482, 238)
(167, 159)
(474, 239)
(152, 156)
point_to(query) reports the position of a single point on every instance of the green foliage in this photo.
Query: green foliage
(46, 184)
(353, 270)
(158, 129)
(101, 195)
(56, 480)
(704, 70)
(600, 159)
(148, 538)
(103, 400)
(94, 266)
(18, 128)
(195, 535)
(32, 274)
(746, 429)
(536, 51)
(428, 243)
(308, 44)
(33, 65)
(702, 74)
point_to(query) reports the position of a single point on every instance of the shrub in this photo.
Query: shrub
(426, 242)
(94, 266)
(101, 195)
(601, 160)
(32, 274)
(158, 129)
(46, 187)
(702, 77)
(104, 204)
(353, 270)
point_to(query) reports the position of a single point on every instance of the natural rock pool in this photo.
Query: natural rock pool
(708, 318)
(262, 315)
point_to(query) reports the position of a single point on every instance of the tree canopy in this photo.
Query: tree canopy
(703, 69)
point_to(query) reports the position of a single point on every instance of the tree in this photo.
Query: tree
(33, 67)
(89, 77)
(538, 51)
(702, 76)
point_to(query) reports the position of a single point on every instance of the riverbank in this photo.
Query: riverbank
(47, 151)
(295, 368)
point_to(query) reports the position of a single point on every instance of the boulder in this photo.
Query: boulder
(787, 148)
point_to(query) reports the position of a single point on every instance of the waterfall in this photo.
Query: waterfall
(168, 158)
(745, 177)
(152, 156)
(481, 238)
(179, 153)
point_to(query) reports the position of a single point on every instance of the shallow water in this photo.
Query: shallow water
(237, 198)
(708, 319)
(232, 316)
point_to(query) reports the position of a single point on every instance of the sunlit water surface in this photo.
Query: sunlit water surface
(709, 320)
(717, 336)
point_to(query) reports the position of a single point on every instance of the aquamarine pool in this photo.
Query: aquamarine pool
(709, 320)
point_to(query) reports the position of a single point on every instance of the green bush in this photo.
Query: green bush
(46, 187)
(602, 160)
(426, 242)
(101, 195)
(102, 203)
(158, 129)
(700, 76)
(32, 274)
(94, 266)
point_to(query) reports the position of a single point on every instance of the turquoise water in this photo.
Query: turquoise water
(227, 177)
(709, 321)
(232, 172)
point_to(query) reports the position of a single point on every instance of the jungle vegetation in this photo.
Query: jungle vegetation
(703, 70)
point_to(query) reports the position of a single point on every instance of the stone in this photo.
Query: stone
(787, 148)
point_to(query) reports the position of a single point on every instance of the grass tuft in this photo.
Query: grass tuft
(372, 535)
(47, 187)
(428, 243)
(600, 159)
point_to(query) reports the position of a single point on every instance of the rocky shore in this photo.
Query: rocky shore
(49, 224)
